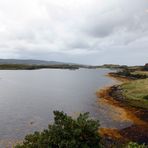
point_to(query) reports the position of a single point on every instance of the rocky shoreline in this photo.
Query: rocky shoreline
(138, 131)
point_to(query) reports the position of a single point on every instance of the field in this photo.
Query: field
(141, 72)
(136, 93)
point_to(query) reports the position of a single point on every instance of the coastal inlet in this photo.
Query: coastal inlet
(28, 98)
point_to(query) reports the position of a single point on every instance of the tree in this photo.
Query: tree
(66, 133)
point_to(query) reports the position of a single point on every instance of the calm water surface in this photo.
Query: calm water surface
(28, 98)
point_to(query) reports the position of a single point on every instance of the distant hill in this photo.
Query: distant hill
(30, 62)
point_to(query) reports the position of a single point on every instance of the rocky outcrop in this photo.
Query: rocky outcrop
(116, 92)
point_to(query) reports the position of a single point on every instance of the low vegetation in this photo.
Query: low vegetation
(136, 93)
(132, 74)
(135, 145)
(32, 67)
(140, 72)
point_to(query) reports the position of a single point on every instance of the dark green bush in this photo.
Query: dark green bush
(124, 72)
(66, 133)
(145, 97)
(127, 73)
(146, 67)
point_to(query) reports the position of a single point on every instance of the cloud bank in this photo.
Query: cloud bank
(86, 31)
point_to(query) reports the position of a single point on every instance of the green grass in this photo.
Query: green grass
(141, 72)
(136, 93)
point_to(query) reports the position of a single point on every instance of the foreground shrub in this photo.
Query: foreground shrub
(66, 133)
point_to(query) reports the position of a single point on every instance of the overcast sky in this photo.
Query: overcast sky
(79, 31)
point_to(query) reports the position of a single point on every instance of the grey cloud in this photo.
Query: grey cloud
(77, 31)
